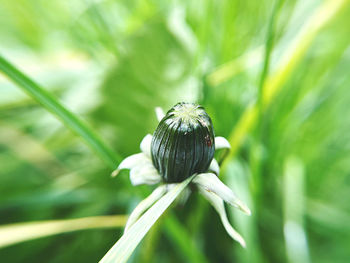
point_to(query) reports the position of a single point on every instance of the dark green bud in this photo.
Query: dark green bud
(183, 143)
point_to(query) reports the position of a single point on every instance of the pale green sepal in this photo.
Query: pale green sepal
(211, 183)
(131, 161)
(214, 167)
(144, 174)
(221, 143)
(218, 204)
(145, 145)
(159, 113)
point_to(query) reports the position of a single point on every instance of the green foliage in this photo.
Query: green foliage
(111, 62)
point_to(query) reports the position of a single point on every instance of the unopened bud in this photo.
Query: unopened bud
(183, 143)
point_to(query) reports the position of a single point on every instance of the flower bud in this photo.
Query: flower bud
(183, 143)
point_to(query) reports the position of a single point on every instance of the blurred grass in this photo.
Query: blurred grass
(16, 233)
(291, 59)
(70, 120)
(112, 62)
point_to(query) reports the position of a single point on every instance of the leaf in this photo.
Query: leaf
(20, 232)
(53, 105)
(124, 247)
(144, 205)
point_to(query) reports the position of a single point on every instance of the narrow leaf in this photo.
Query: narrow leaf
(144, 205)
(53, 105)
(122, 250)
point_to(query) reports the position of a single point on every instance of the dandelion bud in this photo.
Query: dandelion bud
(183, 143)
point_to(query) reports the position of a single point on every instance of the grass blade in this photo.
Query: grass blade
(53, 105)
(124, 247)
(20, 232)
(292, 57)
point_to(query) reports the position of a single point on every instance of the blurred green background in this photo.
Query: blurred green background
(112, 62)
